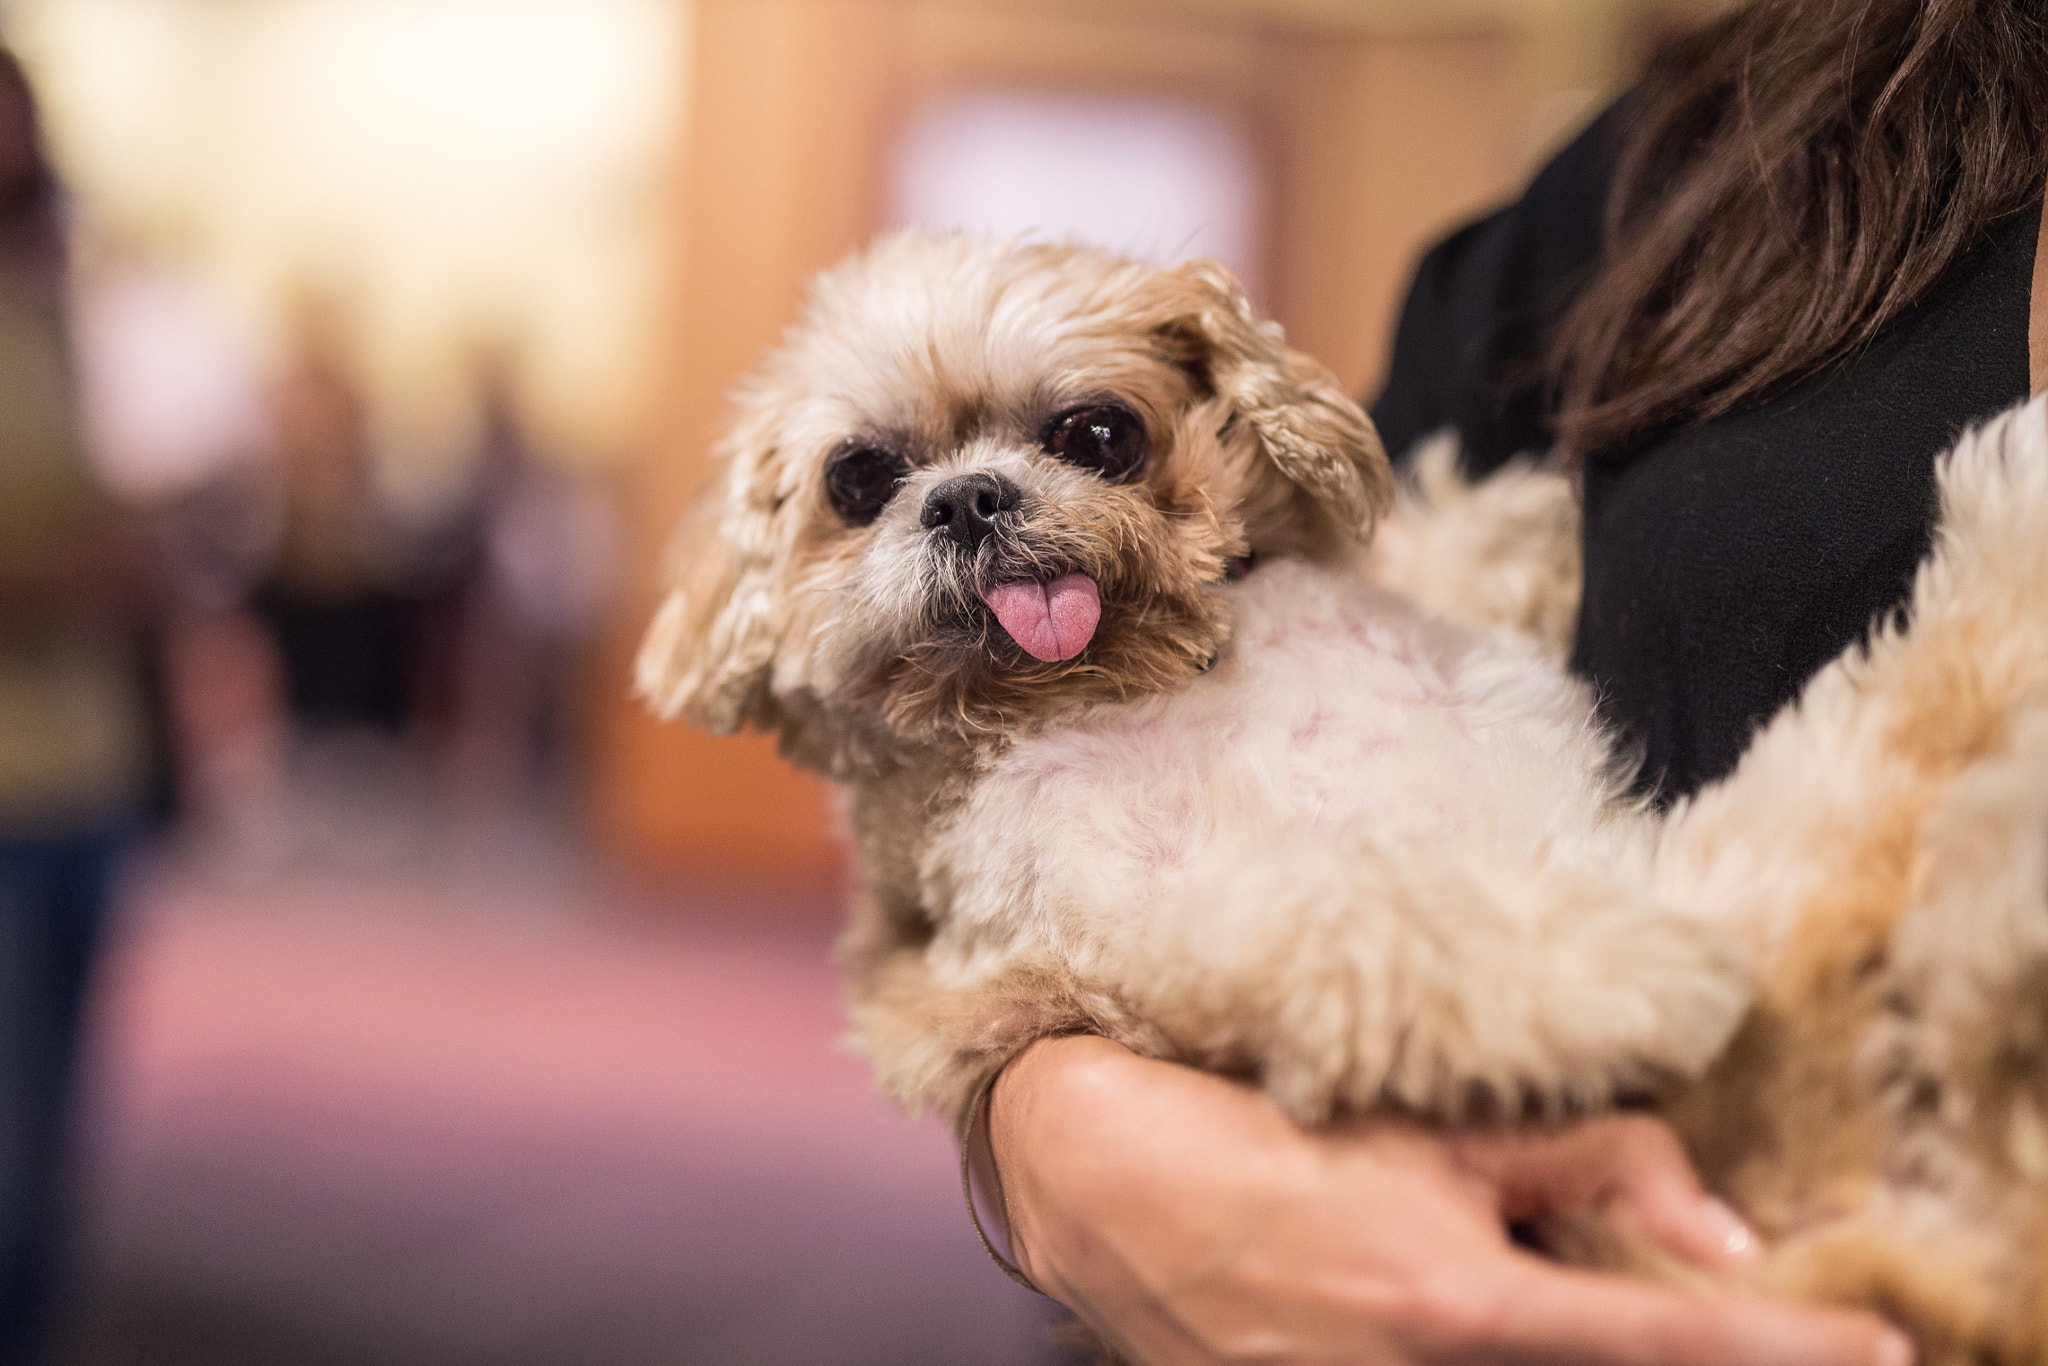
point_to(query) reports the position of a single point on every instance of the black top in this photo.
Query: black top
(1726, 561)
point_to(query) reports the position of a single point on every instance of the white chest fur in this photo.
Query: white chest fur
(1338, 711)
(1387, 818)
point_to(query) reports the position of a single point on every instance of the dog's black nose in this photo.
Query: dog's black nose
(966, 506)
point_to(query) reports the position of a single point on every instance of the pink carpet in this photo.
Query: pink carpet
(510, 1119)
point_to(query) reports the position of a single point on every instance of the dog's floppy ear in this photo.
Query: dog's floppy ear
(708, 653)
(1318, 439)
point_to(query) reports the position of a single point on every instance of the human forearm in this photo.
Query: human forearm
(1186, 1219)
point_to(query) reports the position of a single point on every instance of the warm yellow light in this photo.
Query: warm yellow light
(473, 177)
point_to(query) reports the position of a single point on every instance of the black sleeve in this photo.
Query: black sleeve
(1468, 351)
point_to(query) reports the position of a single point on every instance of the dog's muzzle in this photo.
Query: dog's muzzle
(1052, 617)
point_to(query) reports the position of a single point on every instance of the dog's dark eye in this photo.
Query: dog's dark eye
(860, 481)
(1107, 439)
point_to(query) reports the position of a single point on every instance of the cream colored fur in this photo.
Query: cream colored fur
(1883, 847)
(1882, 852)
(1371, 846)
(1369, 856)
(1504, 552)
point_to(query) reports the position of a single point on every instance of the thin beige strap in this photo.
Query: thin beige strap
(2037, 323)
(976, 1158)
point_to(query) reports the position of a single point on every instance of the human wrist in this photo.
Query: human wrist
(1013, 1106)
(1049, 1063)
(1101, 1150)
(982, 1185)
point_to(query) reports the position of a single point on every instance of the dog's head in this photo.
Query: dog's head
(982, 484)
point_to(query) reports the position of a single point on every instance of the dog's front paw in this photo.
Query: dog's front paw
(1623, 1003)
(1370, 975)
(1563, 1018)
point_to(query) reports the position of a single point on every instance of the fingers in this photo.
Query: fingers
(1634, 1167)
(1630, 1163)
(1551, 1315)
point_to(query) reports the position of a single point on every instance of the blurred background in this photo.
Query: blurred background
(356, 358)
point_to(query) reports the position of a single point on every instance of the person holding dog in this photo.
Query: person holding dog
(1752, 303)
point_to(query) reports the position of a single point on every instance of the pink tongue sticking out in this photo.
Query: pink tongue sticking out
(1050, 620)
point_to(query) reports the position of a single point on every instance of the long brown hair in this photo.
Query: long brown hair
(1796, 175)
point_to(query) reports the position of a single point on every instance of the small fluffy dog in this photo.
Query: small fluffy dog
(1058, 564)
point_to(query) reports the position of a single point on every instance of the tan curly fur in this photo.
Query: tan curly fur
(1369, 846)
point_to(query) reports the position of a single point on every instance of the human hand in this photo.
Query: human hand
(1190, 1222)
